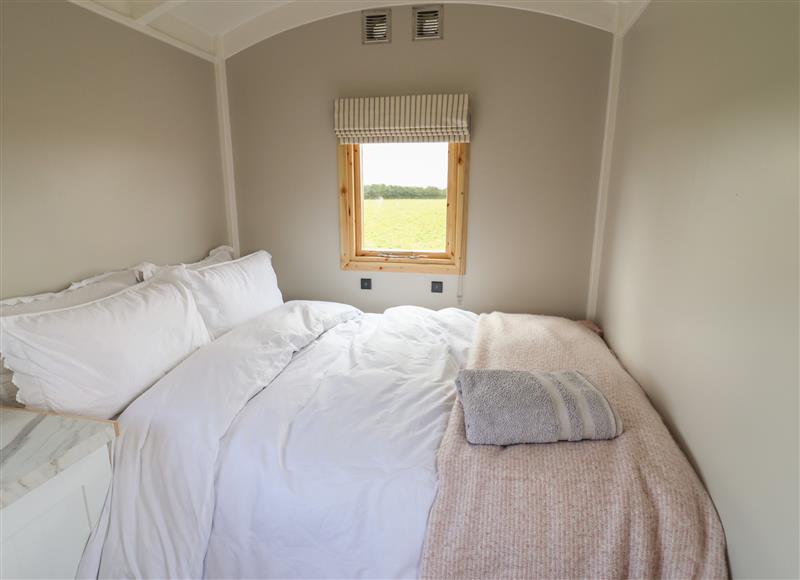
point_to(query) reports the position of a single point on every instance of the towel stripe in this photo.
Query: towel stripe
(602, 418)
(576, 429)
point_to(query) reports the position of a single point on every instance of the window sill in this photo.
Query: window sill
(398, 264)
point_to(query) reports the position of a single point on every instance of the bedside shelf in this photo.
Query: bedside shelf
(54, 475)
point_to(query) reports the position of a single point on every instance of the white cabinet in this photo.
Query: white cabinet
(55, 472)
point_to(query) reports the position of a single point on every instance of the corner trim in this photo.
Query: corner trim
(605, 176)
(629, 13)
(226, 147)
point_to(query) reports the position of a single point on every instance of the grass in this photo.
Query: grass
(405, 224)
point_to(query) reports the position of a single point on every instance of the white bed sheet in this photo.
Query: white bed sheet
(329, 471)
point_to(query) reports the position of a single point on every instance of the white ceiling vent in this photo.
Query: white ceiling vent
(376, 26)
(428, 22)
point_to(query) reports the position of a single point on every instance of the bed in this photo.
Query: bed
(313, 440)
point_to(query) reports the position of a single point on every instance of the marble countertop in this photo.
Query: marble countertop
(35, 447)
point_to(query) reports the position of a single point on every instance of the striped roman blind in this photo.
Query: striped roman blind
(415, 118)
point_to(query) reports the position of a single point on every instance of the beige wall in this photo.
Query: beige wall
(110, 149)
(537, 86)
(699, 288)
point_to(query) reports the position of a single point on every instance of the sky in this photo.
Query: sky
(420, 164)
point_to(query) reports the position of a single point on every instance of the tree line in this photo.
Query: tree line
(383, 191)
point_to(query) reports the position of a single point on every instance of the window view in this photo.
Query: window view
(404, 189)
(402, 206)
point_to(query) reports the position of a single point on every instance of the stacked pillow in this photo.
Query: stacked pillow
(92, 349)
(93, 359)
(100, 286)
(216, 256)
(82, 292)
(78, 293)
(232, 293)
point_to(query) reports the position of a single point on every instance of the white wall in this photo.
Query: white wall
(699, 285)
(110, 149)
(537, 85)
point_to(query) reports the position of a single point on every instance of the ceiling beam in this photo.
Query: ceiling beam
(146, 11)
(143, 28)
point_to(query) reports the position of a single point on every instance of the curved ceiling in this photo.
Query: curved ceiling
(212, 29)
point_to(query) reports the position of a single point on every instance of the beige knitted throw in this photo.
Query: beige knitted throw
(631, 507)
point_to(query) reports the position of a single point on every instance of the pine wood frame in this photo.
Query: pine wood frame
(354, 257)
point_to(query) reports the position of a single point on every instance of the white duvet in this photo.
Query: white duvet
(299, 445)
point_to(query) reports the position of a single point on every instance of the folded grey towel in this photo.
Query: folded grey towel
(509, 407)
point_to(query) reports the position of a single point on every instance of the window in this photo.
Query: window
(403, 206)
(403, 182)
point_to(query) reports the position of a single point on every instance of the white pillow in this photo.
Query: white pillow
(215, 256)
(81, 292)
(78, 293)
(234, 292)
(94, 359)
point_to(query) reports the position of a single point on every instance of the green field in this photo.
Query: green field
(405, 224)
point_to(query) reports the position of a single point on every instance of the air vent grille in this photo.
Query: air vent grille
(428, 22)
(376, 26)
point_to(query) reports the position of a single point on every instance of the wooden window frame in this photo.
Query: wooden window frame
(354, 257)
